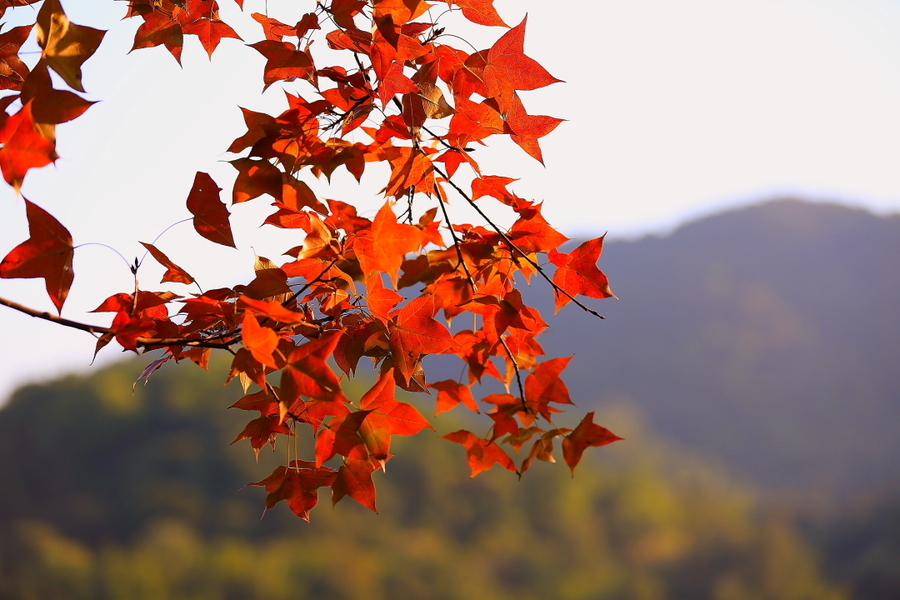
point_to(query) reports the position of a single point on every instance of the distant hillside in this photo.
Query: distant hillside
(768, 337)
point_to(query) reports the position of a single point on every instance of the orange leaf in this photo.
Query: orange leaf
(577, 272)
(255, 178)
(451, 393)
(544, 384)
(262, 431)
(473, 122)
(525, 129)
(541, 450)
(285, 62)
(402, 11)
(387, 417)
(260, 341)
(46, 253)
(273, 29)
(210, 213)
(481, 12)
(379, 299)
(481, 454)
(410, 168)
(383, 251)
(341, 436)
(534, 234)
(210, 32)
(585, 435)
(414, 332)
(174, 273)
(508, 68)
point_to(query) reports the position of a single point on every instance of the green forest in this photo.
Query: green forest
(108, 495)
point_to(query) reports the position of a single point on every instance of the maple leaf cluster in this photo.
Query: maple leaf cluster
(423, 106)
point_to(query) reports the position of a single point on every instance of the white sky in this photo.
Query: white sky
(674, 109)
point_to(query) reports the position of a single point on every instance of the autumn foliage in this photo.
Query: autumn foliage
(384, 290)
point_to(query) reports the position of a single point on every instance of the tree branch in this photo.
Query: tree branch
(146, 343)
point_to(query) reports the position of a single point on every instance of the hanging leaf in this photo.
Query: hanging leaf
(210, 214)
(66, 45)
(47, 253)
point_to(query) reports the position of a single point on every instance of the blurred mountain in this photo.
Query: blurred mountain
(766, 337)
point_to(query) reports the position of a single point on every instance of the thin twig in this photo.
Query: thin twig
(518, 374)
(147, 343)
(55, 318)
(456, 242)
(513, 247)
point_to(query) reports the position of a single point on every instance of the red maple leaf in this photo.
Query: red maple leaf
(354, 479)
(307, 374)
(479, 11)
(297, 484)
(389, 241)
(544, 384)
(451, 393)
(481, 454)
(210, 32)
(379, 299)
(47, 253)
(273, 29)
(255, 178)
(585, 435)
(402, 11)
(525, 129)
(414, 332)
(577, 272)
(24, 147)
(284, 62)
(508, 69)
(387, 417)
(271, 310)
(260, 341)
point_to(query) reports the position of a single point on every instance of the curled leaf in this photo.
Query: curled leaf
(210, 213)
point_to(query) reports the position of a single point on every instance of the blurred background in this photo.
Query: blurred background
(743, 159)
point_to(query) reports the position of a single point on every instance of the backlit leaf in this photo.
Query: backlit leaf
(587, 434)
(47, 253)
(66, 45)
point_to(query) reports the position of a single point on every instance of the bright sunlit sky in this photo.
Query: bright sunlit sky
(675, 109)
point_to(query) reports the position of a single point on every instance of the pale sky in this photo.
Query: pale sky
(675, 109)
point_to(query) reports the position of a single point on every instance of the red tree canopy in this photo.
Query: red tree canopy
(424, 103)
